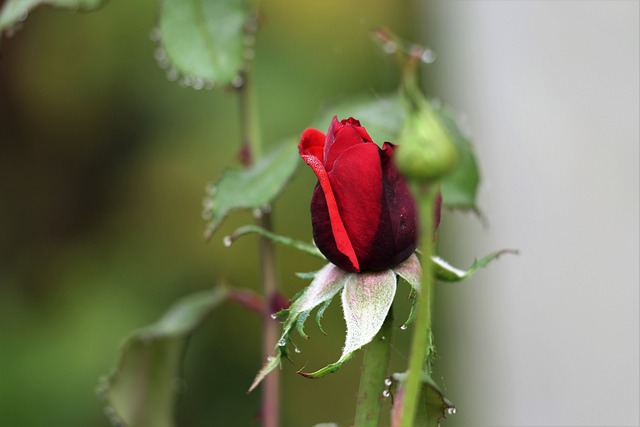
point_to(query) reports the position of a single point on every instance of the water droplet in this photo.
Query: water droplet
(388, 382)
(386, 393)
(249, 54)
(160, 54)
(383, 338)
(274, 316)
(206, 214)
(186, 81)
(404, 327)
(265, 209)
(257, 213)
(172, 74)
(209, 85)
(227, 241)
(249, 39)
(297, 350)
(198, 83)
(428, 56)
(210, 189)
(282, 342)
(155, 35)
(237, 82)
(270, 359)
(451, 410)
(207, 203)
(389, 47)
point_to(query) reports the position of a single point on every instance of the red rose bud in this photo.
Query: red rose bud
(363, 215)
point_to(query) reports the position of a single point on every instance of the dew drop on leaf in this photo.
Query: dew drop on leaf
(155, 35)
(388, 382)
(404, 327)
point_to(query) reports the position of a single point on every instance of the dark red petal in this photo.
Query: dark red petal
(312, 143)
(346, 138)
(331, 136)
(323, 234)
(337, 226)
(356, 180)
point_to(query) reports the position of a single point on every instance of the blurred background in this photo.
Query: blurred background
(103, 164)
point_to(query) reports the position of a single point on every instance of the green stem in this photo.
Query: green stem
(270, 408)
(422, 342)
(270, 412)
(375, 364)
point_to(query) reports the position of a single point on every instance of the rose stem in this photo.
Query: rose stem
(374, 369)
(270, 407)
(422, 344)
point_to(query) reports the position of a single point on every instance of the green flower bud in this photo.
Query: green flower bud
(426, 151)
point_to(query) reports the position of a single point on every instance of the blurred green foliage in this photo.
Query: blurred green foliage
(103, 164)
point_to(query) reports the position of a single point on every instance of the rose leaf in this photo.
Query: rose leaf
(382, 116)
(142, 389)
(445, 272)
(251, 188)
(14, 12)
(204, 39)
(459, 188)
(433, 405)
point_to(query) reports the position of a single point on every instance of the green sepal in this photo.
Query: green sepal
(320, 313)
(413, 296)
(329, 369)
(271, 363)
(251, 188)
(443, 271)
(300, 323)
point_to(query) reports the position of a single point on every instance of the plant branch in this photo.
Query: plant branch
(270, 409)
(422, 342)
(374, 369)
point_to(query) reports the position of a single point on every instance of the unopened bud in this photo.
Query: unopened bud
(426, 152)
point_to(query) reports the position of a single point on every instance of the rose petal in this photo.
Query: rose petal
(356, 180)
(312, 143)
(309, 150)
(346, 138)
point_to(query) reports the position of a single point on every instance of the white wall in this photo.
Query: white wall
(551, 90)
